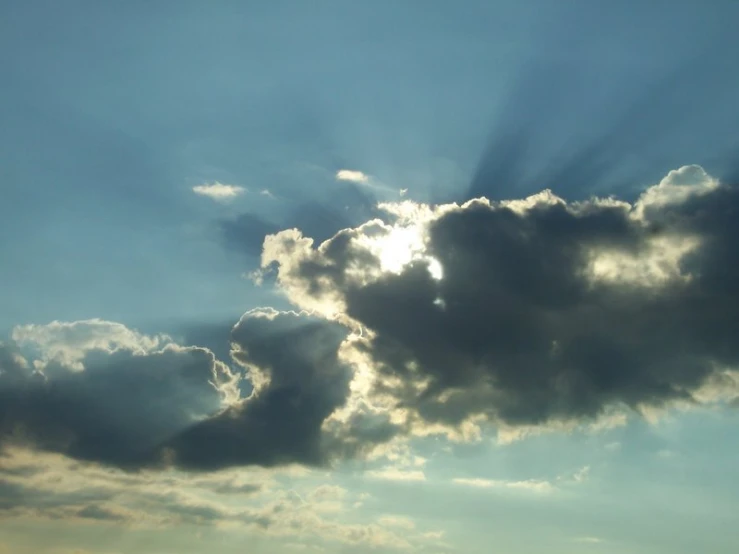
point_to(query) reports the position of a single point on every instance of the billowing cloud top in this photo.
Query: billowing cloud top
(535, 311)
(450, 319)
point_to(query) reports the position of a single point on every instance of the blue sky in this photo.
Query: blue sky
(114, 113)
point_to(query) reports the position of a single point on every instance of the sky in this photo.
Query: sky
(342, 276)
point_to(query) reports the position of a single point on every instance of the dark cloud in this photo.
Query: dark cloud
(547, 312)
(299, 382)
(137, 408)
(117, 409)
(544, 312)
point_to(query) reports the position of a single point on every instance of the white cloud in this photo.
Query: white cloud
(352, 175)
(400, 522)
(530, 485)
(582, 474)
(587, 540)
(38, 486)
(576, 478)
(678, 186)
(68, 343)
(395, 474)
(219, 191)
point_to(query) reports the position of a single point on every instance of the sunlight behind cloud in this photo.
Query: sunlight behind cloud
(399, 246)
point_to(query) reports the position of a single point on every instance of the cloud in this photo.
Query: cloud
(401, 522)
(587, 540)
(581, 474)
(38, 486)
(523, 315)
(352, 175)
(533, 312)
(395, 474)
(219, 191)
(291, 360)
(99, 391)
(67, 343)
(530, 485)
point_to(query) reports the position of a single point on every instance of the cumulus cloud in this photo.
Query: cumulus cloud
(530, 312)
(219, 191)
(292, 362)
(99, 391)
(522, 315)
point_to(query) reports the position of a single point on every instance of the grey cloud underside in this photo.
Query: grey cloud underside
(282, 423)
(516, 330)
(116, 411)
(300, 381)
(158, 409)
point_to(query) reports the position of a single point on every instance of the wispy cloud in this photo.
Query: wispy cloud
(579, 476)
(395, 474)
(401, 522)
(352, 175)
(49, 487)
(219, 191)
(587, 540)
(528, 485)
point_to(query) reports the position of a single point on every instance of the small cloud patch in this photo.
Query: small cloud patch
(219, 191)
(352, 175)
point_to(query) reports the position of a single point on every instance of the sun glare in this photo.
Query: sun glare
(400, 247)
